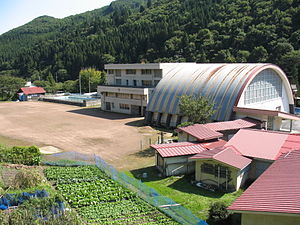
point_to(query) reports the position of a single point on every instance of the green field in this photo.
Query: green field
(100, 200)
(183, 192)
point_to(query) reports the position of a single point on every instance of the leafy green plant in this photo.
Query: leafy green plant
(218, 213)
(21, 155)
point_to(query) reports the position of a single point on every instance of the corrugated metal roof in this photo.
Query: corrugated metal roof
(33, 90)
(276, 190)
(259, 143)
(227, 155)
(178, 149)
(223, 84)
(233, 125)
(200, 132)
(214, 144)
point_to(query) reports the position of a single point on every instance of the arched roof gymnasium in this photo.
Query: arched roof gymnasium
(222, 84)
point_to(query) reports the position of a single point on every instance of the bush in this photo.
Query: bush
(218, 214)
(185, 124)
(20, 155)
(27, 179)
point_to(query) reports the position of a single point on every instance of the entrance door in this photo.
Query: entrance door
(107, 105)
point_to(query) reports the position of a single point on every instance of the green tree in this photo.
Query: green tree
(90, 78)
(197, 109)
(9, 86)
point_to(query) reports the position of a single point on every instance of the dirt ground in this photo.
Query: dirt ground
(115, 137)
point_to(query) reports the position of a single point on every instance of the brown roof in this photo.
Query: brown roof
(32, 90)
(227, 155)
(276, 190)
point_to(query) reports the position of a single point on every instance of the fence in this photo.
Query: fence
(165, 204)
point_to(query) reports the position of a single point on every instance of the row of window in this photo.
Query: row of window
(215, 170)
(145, 83)
(124, 106)
(156, 73)
(265, 86)
(126, 96)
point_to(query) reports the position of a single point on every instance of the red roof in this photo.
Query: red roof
(178, 149)
(214, 144)
(33, 90)
(228, 155)
(276, 190)
(200, 132)
(186, 148)
(264, 144)
(233, 125)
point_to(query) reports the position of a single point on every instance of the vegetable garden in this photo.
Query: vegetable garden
(100, 200)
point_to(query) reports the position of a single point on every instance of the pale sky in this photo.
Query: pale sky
(14, 13)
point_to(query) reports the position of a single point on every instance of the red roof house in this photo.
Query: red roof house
(274, 198)
(26, 93)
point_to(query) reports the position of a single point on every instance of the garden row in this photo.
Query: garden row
(99, 199)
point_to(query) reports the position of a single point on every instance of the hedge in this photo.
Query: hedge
(20, 155)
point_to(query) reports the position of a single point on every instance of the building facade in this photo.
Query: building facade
(260, 91)
(129, 86)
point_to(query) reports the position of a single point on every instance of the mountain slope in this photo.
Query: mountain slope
(161, 30)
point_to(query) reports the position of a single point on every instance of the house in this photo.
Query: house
(223, 167)
(129, 86)
(227, 128)
(173, 159)
(245, 156)
(274, 198)
(28, 93)
(238, 90)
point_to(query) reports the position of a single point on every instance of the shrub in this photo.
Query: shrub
(185, 124)
(27, 179)
(218, 213)
(20, 155)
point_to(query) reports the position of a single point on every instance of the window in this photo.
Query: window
(118, 81)
(118, 73)
(158, 73)
(208, 168)
(124, 106)
(110, 71)
(138, 97)
(156, 82)
(125, 96)
(134, 82)
(129, 71)
(265, 86)
(144, 72)
(147, 83)
(111, 94)
(127, 82)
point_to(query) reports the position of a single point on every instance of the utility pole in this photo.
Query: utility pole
(79, 83)
(89, 83)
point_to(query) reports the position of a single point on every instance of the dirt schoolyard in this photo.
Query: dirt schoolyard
(114, 137)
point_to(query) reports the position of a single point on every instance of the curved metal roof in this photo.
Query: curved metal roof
(222, 84)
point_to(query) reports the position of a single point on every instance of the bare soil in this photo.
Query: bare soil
(115, 137)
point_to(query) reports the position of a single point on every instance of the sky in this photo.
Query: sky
(14, 13)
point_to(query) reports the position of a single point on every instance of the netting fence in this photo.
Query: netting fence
(163, 203)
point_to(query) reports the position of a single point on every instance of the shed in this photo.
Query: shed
(27, 93)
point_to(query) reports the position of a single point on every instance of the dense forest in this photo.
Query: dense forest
(130, 31)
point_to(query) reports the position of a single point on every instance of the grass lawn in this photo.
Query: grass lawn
(181, 190)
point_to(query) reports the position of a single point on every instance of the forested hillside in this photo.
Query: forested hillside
(157, 31)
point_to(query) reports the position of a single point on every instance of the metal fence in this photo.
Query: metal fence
(165, 204)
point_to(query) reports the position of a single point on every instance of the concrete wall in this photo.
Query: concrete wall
(260, 219)
(182, 136)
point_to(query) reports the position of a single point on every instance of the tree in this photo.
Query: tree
(9, 86)
(197, 109)
(90, 78)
